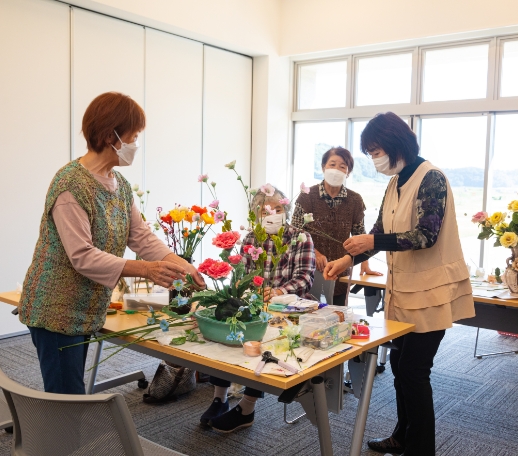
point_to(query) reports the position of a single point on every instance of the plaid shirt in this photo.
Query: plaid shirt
(297, 220)
(296, 268)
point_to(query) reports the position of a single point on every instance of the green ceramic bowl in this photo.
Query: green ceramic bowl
(217, 331)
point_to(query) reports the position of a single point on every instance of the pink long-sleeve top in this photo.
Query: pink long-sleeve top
(75, 234)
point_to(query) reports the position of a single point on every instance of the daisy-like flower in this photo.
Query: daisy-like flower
(240, 336)
(164, 325)
(214, 204)
(284, 201)
(269, 209)
(308, 218)
(151, 321)
(304, 188)
(255, 252)
(203, 178)
(178, 284)
(231, 336)
(219, 216)
(267, 189)
(265, 316)
(231, 165)
(182, 300)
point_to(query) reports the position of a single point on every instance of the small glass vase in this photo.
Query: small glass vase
(510, 274)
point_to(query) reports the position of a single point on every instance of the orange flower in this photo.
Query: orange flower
(207, 219)
(189, 215)
(199, 210)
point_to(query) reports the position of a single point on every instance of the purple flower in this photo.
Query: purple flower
(219, 216)
(255, 252)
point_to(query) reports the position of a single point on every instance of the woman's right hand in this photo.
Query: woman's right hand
(321, 261)
(334, 268)
(164, 272)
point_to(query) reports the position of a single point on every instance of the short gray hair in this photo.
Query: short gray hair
(260, 198)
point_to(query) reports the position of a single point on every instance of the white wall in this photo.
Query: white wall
(323, 25)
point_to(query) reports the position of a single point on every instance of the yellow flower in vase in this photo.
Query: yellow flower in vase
(177, 215)
(207, 219)
(189, 216)
(497, 218)
(513, 206)
(500, 228)
(509, 240)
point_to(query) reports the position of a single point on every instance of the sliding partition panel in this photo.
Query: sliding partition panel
(227, 119)
(107, 55)
(174, 98)
(35, 125)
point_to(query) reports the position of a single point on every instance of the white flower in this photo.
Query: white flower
(308, 218)
(163, 213)
(302, 237)
(140, 193)
(231, 165)
(135, 188)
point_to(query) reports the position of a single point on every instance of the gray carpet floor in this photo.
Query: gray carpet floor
(476, 404)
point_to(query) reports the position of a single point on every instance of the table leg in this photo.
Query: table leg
(363, 404)
(320, 403)
(90, 384)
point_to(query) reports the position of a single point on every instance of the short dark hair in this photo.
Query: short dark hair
(108, 112)
(341, 152)
(391, 133)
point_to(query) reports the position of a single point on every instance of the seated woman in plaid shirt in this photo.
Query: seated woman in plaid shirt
(293, 274)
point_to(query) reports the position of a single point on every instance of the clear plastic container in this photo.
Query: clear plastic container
(326, 327)
(143, 301)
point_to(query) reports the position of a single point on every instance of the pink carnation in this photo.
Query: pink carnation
(226, 240)
(235, 259)
(479, 217)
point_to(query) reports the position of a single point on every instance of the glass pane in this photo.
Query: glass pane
(312, 140)
(457, 145)
(455, 73)
(504, 182)
(323, 85)
(509, 81)
(384, 80)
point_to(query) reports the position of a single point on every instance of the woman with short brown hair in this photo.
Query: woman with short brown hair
(88, 221)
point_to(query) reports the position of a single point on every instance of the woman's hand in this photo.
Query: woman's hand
(365, 269)
(164, 272)
(321, 260)
(334, 268)
(269, 293)
(356, 245)
(188, 268)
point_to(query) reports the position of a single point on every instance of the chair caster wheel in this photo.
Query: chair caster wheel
(380, 369)
(479, 357)
(9, 429)
(143, 383)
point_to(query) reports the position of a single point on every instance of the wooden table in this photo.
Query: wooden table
(491, 313)
(322, 382)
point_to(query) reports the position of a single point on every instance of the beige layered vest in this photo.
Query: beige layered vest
(429, 287)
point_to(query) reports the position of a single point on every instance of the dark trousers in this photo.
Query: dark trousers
(62, 370)
(225, 384)
(411, 365)
(339, 300)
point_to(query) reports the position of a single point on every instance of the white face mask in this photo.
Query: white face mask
(382, 165)
(334, 177)
(272, 223)
(127, 152)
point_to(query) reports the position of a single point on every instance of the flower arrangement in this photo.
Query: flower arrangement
(495, 225)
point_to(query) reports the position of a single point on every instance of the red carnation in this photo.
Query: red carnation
(226, 240)
(205, 265)
(258, 281)
(218, 270)
(235, 259)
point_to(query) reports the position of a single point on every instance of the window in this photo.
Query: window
(384, 80)
(312, 140)
(458, 73)
(509, 82)
(457, 145)
(322, 85)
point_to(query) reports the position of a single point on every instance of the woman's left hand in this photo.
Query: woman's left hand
(365, 269)
(269, 293)
(356, 245)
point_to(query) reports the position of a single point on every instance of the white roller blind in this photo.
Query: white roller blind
(107, 55)
(174, 89)
(35, 126)
(227, 110)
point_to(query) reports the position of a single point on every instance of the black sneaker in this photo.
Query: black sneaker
(386, 445)
(216, 409)
(232, 421)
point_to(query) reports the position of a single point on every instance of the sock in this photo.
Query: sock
(221, 392)
(247, 405)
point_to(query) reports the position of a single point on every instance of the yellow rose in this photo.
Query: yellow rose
(496, 218)
(513, 206)
(509, 240)
(177, 215)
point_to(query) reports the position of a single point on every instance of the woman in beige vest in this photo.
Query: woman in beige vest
(427, 282)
